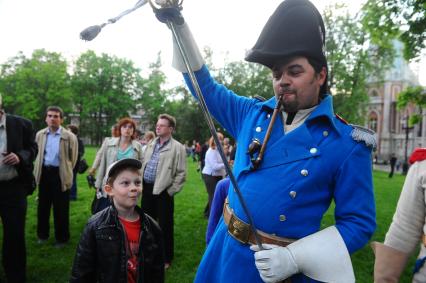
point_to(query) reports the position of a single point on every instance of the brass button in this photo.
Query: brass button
(258, 129)
(283, 218)
(325, 133)
(313, 150)
(292, 194)
(268, 116)
(304, 172)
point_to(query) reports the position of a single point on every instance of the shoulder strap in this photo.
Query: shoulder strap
(361, 134)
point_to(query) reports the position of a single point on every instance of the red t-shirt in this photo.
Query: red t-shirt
(132, 230)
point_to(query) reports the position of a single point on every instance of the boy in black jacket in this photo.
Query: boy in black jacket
(120, 243)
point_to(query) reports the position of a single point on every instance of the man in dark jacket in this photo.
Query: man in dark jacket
(18, 151)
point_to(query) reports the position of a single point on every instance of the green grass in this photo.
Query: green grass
(45, 263)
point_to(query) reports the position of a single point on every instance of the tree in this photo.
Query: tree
(152, 97)
(247, 79)
(397, 19)
(351, 61)
(415, 96)
(190, 121)
(105, 89)
(30, 85)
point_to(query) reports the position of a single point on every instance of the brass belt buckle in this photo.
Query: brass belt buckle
(239, 230)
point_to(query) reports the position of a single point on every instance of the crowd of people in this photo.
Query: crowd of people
(49, 160)
(294, 158)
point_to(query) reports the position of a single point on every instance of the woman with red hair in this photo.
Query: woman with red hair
(116, 148)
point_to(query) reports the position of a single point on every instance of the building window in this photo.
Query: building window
(372, 121)
(374, 93)
(393, 117)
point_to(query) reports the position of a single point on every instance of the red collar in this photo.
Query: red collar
(418, 154)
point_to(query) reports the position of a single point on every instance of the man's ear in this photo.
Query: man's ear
(322, 75)
(108, 189)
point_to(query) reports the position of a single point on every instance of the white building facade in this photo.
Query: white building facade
(389, 123)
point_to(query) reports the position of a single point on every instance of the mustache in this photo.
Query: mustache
(286, 90)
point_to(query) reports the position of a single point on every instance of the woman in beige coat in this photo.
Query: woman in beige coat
(116, 148)
(408, 228)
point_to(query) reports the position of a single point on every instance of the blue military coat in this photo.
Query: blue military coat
(302, 172)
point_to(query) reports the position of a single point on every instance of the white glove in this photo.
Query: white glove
(274, 263)
(322, 256)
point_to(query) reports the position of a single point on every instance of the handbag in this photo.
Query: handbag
(82, 166)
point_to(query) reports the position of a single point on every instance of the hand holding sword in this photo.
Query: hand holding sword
(168, 11)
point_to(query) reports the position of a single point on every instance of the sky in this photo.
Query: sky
(228, 27)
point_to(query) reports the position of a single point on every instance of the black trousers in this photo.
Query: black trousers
(392, 170)
(210, 182)
(161, 208)
(13, 209)
(50, 194)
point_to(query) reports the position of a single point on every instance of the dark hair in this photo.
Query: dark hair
(170, 118)
(55, 109)
(124, 121)
(117, 172)
(138, 133)
(73, 129)
(317, 65)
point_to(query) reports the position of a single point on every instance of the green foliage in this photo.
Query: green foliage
(351, 60)
(152, 96)
(416, 96)
(105, 89)
(247, 79)
(191, 124)
(397, 19)
(30, 85)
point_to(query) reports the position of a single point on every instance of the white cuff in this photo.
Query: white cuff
(323, 256)
(190, 46)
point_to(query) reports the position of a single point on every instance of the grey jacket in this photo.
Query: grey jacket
(171, 169)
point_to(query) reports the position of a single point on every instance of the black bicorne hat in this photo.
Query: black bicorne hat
(295, 28)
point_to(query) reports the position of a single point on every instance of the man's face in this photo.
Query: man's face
(297, 83)
(53, 119)
(163, 129)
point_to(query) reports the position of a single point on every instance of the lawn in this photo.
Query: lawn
(49, 264)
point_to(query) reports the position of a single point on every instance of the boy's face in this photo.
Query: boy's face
(126, 189)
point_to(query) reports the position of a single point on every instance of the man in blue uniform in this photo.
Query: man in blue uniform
(312, 158)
